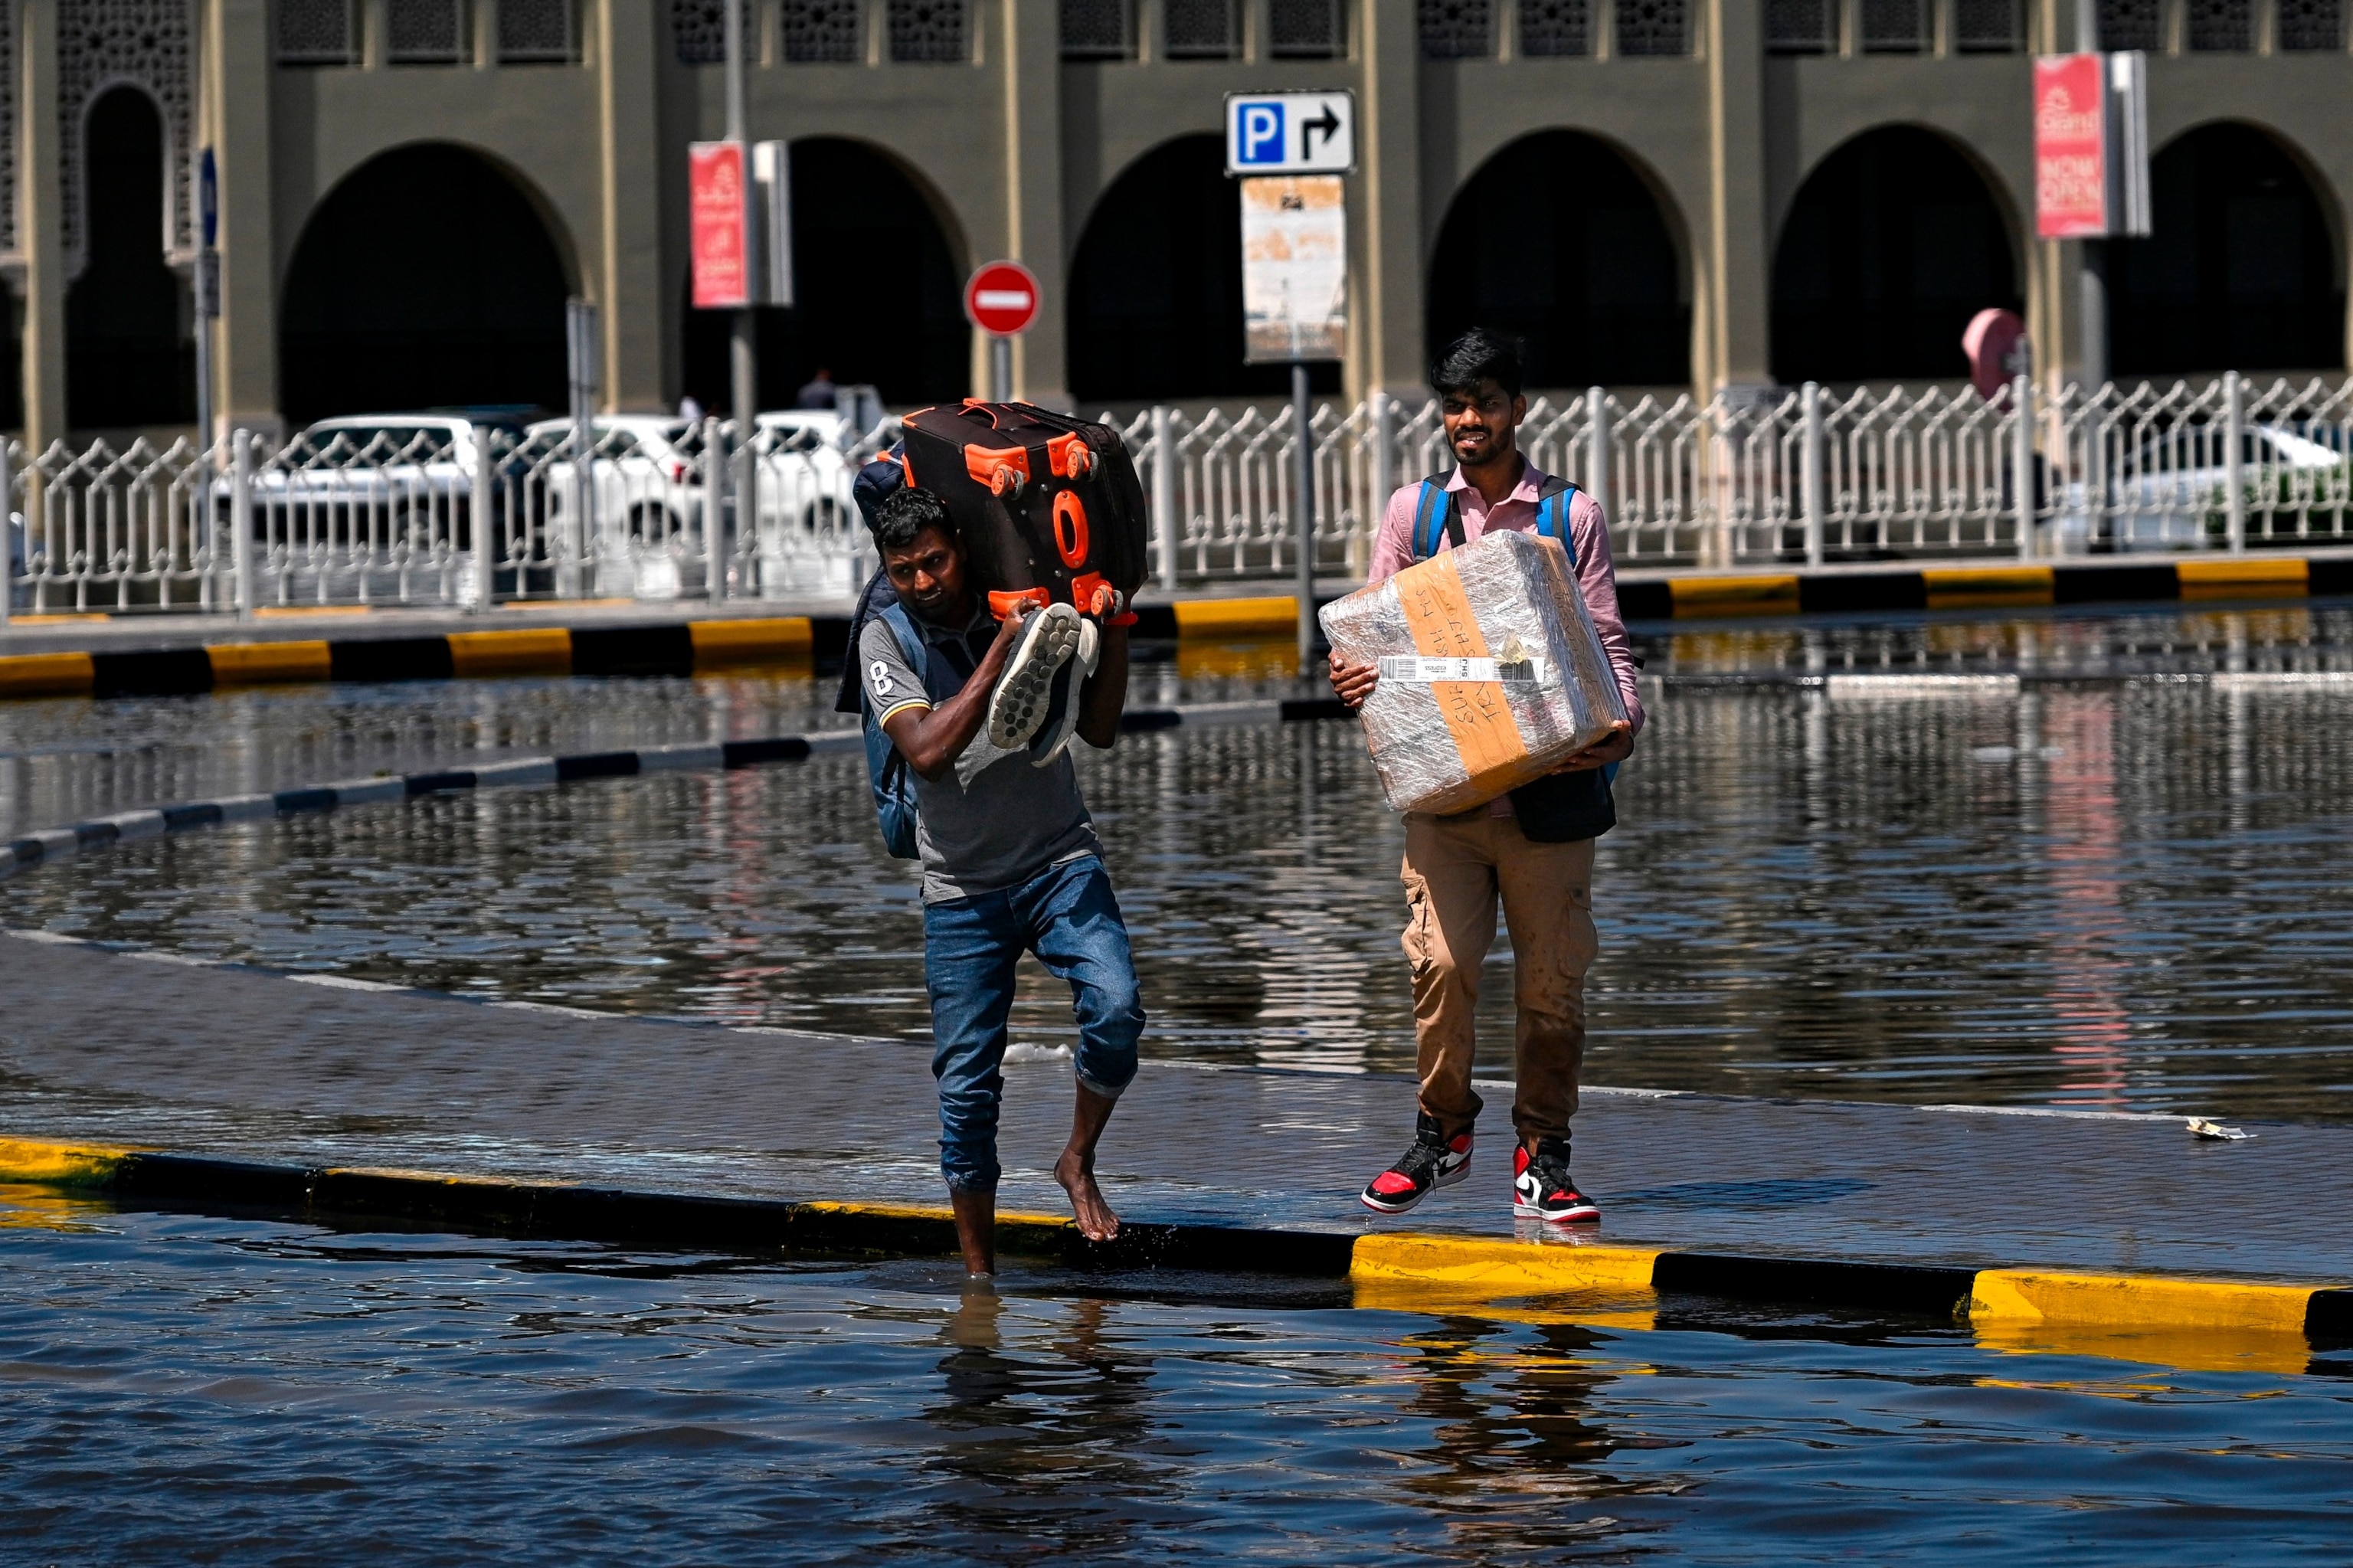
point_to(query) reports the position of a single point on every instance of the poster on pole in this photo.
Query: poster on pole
(717, 239)
(2071, 148)
(1295, 269)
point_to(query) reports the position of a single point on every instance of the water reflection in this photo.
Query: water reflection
(2108, 894)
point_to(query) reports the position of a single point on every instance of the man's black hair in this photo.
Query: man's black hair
(905, 514)
(1477, 356)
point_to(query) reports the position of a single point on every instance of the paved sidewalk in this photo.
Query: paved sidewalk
(101, 1045)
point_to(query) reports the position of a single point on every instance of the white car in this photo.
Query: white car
(811, 538)
(2171, 493)
(637, 529)
(383, 497)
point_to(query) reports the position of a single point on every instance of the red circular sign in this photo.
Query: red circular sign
(1002, 299)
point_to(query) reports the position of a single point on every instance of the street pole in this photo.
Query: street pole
(1304, 504)
(207, 303)
(744, 356)
(2092, 287)
(1000, 370)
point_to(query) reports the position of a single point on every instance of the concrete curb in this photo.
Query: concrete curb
(101, 833)
(1459, 1266)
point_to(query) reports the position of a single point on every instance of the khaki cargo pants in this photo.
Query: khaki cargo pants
(1455, 869)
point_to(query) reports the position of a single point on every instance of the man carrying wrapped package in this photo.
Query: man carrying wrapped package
(1498, 695)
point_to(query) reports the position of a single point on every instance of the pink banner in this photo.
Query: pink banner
(716, 208)
(2071, 148)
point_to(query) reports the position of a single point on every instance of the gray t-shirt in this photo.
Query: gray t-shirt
(994, 820)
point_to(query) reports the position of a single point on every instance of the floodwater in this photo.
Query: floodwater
(186, 1388)
(2114, 886)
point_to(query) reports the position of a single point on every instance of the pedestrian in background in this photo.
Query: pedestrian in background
(1457, 867)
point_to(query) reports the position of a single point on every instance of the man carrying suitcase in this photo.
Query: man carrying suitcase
(1541, 866)
(1011, 860)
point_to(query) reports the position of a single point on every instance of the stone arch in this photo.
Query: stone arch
(1156, 285)
(130, 356)
(429, 276)
(1567, 241)
(1893, 242)
(2244, 269)
(878, 274)
(102, 45)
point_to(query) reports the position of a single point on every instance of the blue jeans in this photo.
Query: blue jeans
(1067, 915)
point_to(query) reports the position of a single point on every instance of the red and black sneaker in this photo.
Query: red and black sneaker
(1540, 1188)
(1434, 1161)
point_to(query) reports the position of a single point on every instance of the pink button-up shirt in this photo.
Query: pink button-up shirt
(1393, 552)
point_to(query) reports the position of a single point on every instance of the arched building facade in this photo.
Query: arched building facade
(1679, 193)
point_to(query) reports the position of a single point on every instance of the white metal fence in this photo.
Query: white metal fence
(388, 516)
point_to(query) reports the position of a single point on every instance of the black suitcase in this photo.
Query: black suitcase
(1048, 505)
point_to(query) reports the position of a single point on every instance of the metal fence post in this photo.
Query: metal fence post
(2234, 458)
(1810, 474)
(8, 525)
(1596, 448)
(486, 527)
(1384, 413)
(714, 496)
(240, 517)
(2021, 462)
(1164, 492)
(1302, 428)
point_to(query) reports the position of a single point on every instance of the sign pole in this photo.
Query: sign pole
(2092, 287)
(744, 356)
(1000, 370)
(1304, 503)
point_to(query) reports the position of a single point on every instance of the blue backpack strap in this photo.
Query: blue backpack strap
(886, 770)
(1552, 515)
(1428, 518)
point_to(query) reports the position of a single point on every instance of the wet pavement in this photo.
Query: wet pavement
(257, 1066)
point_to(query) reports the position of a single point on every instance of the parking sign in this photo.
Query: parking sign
(1291, 133)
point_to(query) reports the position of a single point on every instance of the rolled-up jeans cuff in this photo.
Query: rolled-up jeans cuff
(973, 1183)
(1108, 1091)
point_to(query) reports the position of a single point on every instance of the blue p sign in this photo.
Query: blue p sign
(1260, 138)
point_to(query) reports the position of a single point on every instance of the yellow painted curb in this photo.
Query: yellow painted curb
(2128, 1301)
(1761, 595)
(1988, 587)
(50, 1164)
(47, 675)
(2245, 577)
(1236, 616)
(256, 663)
(535, 650)
(60, 618)
(929, 1212)
(790, 637)
(1502, 1267)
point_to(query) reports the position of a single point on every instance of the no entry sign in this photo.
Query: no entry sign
(1002, 299)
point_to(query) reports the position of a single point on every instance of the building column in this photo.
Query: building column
(1732, 328)
(38, 205)
(1033, 198)
(1386, 331)
(638, 317)
(237, 62)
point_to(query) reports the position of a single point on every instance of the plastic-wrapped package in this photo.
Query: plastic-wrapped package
(1492, 672)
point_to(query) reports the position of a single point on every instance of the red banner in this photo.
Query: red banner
(715, 179)
(2071, 148)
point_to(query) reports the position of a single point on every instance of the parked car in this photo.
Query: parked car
(368, 501)
(811, 539)
(2173, 491)
(641, 532)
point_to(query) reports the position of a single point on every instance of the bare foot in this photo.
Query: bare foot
(1097, 1221)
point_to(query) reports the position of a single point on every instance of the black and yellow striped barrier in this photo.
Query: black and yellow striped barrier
(1689, 596)
(2012, 1308)
(682, 648)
